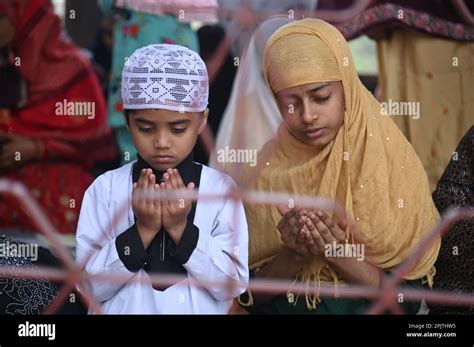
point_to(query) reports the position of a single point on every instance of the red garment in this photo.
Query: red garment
(56, 72)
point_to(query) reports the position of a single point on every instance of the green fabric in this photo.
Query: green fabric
(280, 304)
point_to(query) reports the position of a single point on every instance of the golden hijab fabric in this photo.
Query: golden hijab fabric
(369, 167)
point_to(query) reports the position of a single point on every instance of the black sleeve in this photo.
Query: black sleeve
(182, 252)
(131, 250)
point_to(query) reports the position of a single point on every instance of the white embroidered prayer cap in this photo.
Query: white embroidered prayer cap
(165, 76)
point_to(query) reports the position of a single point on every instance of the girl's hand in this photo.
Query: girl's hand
(321, 230)
(292, 229)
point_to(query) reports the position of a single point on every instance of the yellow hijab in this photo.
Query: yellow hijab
(369, 167)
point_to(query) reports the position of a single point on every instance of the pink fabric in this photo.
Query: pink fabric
(198, 10)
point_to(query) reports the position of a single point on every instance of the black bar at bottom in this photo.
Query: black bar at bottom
(108, 329)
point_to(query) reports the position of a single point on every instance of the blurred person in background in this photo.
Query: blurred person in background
(455, 264)
(210, 37)
(102, 52)
(56, 130)
(425, 53)
(256, 12)
(252, 108)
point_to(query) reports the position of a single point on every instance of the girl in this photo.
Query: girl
(334, 143)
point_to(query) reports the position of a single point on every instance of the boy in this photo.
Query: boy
(164, 91)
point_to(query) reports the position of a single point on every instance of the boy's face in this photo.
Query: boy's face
(165, 138)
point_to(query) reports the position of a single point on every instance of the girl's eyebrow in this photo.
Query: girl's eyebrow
(290, 97)
(314, 89)
(318, 87)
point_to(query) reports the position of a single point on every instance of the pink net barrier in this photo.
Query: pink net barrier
(384, 297)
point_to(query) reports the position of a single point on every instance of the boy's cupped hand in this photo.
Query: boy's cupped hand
(146, 206)
(152, 213)
(174, 213)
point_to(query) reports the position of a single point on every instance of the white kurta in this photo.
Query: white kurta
(221, 253)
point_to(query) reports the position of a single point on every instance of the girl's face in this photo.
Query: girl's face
(313, 112)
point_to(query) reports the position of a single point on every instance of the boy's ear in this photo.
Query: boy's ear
(202, 126)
